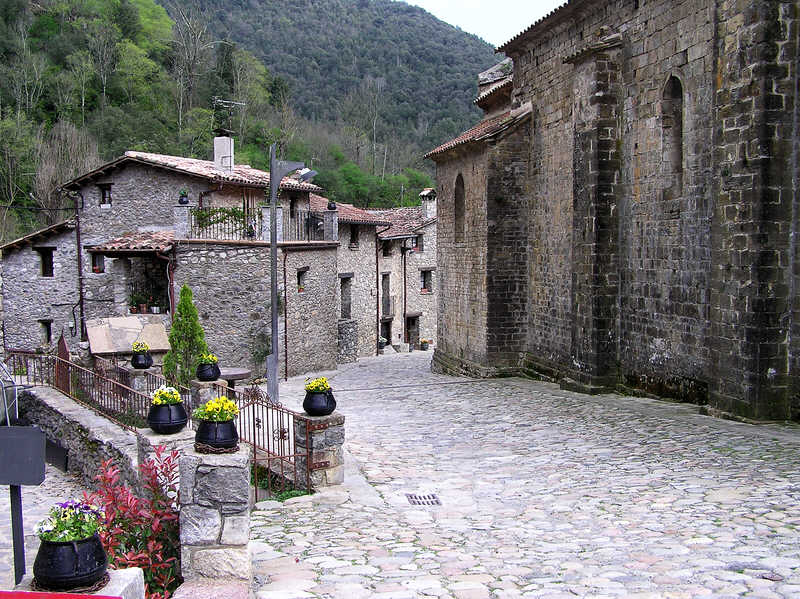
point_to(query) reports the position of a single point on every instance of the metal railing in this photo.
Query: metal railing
(112, 369)
(304, 225)
(112, 399)
(273, 430)
(224, 223)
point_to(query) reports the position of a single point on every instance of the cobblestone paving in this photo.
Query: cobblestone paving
(544, 493)
(36, 502)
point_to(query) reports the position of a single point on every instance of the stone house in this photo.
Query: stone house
(625, 214)
(145, 224)
(408, 287)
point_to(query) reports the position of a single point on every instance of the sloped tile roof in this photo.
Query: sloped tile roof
(485, 129)
(507, 82)
(55, 229)
(347, 212)
(404, 221)
(206, 169)
(152, 241)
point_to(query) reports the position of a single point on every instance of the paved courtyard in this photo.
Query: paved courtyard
(544, 493)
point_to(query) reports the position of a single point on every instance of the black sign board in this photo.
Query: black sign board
(21, 455)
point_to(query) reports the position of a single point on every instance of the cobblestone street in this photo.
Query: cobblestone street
(544, 493)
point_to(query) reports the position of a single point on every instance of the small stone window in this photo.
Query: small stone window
(353, 236)
(346, 289)
(47, 331)
(672, 137)
(418, 244)
(105, 194)
(459, 206)
(98, 263)
(387, 248)
(46, 259)
(426, 281)
(302, 277)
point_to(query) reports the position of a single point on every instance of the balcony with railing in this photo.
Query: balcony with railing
(224, 223)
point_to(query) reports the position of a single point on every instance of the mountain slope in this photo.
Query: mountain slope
(327, 48)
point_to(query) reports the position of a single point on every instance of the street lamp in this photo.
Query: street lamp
(278, 169)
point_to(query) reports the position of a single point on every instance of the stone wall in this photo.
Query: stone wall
(661, 207)
(89, 438)
(419, 302)
(393, 266)
(359, 261)
(311, 314)
(230, 284)
(461, 270)
(348, 342)
(29, 298)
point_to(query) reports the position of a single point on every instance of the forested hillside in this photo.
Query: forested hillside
(81, 81)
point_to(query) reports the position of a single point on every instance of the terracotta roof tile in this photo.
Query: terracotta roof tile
(239, 175)
(507, 82)
(483, 128)
(152, 241)
(347, 212)
(404, 221)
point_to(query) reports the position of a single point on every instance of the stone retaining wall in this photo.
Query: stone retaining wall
(89, 438)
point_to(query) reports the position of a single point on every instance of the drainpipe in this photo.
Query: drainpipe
(285, 319)
(378, 287)
(80, 261)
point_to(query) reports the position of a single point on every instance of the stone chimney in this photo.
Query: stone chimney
(223, 149)
(428, 197)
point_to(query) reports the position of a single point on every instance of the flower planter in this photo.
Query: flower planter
(319, 403)
(217, 434)
(63, 565)
(142, 361)
(424, 346)
(143, 308)
(381, 344)
(207, 372)
(167, 419)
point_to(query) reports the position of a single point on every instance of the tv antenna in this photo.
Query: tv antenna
(227, 105)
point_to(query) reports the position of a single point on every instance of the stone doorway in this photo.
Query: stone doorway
(412, 332)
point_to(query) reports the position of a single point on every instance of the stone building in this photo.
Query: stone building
(408, 282)
(145, 224)
(625, 215)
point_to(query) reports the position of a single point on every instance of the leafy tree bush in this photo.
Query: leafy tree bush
(187, 340)
(142, 532)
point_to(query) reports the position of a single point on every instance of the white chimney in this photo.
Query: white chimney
(223, 152)
(428, 197)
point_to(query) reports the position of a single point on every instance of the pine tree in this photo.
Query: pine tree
(187, 341)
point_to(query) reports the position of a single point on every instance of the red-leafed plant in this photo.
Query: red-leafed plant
(143, 531)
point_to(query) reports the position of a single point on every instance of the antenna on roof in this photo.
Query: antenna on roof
(228, 105)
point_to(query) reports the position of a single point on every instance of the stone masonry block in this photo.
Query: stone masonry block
(199, 525)
(223, 485)
(187, 469)
(220, 563)
(236, 530)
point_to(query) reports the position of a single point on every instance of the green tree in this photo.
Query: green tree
(187, 341)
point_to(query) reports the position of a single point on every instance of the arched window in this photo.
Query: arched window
(672, 135)
(458, 210)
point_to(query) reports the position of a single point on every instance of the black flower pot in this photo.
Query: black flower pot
(141, 361)
(319, 403)
(207, 372)
(217, 434)
(63, 565)
(167, 419)
(423, 346)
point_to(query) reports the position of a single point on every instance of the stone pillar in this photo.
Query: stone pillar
(147, 441)
(323, 436)
(265, 223)
(330, 219)
(596, 82)
(180, 217)
(215, 503)
(204, 391)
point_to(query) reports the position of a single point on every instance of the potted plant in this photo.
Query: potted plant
(139, 300)
(382, 342)
(217, 428)
(207, 367)
(423, 344)
(141, 358)
(300, 289)
(133, 309)
(167, 414)
(319, 399)
(183, 196)
(70, 554)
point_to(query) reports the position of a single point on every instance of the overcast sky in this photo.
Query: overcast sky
(496, 21)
